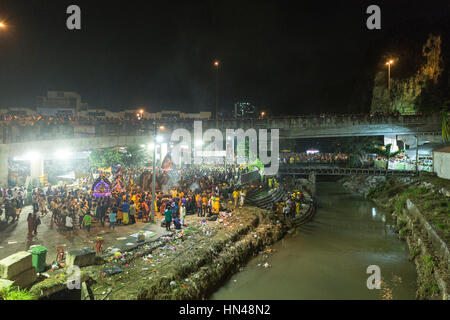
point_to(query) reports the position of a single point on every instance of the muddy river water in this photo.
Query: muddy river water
(328, 257)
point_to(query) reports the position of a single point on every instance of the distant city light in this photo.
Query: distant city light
(312, 151)
(216, 63)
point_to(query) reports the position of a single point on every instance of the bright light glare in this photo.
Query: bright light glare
(151, 146)
(2, 25)
(32, 155)
(63, 154)
(199, 143)
(159, 139)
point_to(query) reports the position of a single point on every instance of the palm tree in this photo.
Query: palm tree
(445, 126)
(385, 153)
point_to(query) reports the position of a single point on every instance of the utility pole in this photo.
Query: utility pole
(217, 65)
(154, 174)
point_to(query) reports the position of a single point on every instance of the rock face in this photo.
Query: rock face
(363, 184)
(405, 92)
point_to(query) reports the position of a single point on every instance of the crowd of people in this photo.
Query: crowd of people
(198, 190)
(315, 158)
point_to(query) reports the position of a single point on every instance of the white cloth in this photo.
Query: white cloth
(69, 222)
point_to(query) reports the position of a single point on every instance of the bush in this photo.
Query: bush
(14, 293)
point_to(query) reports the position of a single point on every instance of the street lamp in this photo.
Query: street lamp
(217, 65)
(389, 73)
(2, 25)
(263, 114)
(154, 168)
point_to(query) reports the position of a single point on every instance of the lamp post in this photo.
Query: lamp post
(154, 171)
(217, 65)
(389, 73)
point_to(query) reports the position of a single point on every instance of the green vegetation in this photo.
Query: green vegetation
(132, 157)
(14, 293)
(384, 152)
(429, 286)
(445, 126)
(431, 203)
(356, 148)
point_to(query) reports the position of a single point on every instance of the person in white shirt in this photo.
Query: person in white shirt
(182, 214)
(69, 223)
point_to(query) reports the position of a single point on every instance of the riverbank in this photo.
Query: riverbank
(185, 265)
(420, 207)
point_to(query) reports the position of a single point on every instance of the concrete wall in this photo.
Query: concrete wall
(441, 164)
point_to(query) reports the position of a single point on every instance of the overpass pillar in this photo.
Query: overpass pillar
(3, 170)
(391, 139)
(36, 168)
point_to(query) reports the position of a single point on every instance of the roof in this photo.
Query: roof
(444, 150)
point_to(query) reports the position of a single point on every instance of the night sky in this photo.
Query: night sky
(284, 57)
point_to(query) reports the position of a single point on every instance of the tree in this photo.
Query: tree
(135, 157)
(132, 157)
(445, 126)
(385, 153)
(104, 158)
(355, 147)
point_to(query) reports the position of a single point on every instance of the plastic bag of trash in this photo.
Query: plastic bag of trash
(112, 271)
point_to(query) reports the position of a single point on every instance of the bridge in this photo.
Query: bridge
(19, 136)
(339, 171)
(15, 131)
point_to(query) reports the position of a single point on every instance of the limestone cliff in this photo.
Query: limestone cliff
(406, 95)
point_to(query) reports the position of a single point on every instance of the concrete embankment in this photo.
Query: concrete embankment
(187, 265)
(420, 207)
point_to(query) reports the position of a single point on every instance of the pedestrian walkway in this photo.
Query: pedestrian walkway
(13, 237)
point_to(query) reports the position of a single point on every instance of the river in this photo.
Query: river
(328, 257)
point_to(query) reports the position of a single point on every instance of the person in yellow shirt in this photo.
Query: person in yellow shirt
(235, 197)
(217, 204)
(204, 205)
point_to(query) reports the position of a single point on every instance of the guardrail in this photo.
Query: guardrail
(344, 171)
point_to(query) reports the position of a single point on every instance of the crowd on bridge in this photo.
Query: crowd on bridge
(16, 128)
(313, 158)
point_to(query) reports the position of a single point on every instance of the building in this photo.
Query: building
(441, 162)
(177, 115)
(60, 103)
(244, 110)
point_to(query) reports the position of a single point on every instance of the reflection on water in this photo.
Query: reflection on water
(328, 257)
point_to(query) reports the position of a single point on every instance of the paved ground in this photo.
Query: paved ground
(13, 236)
